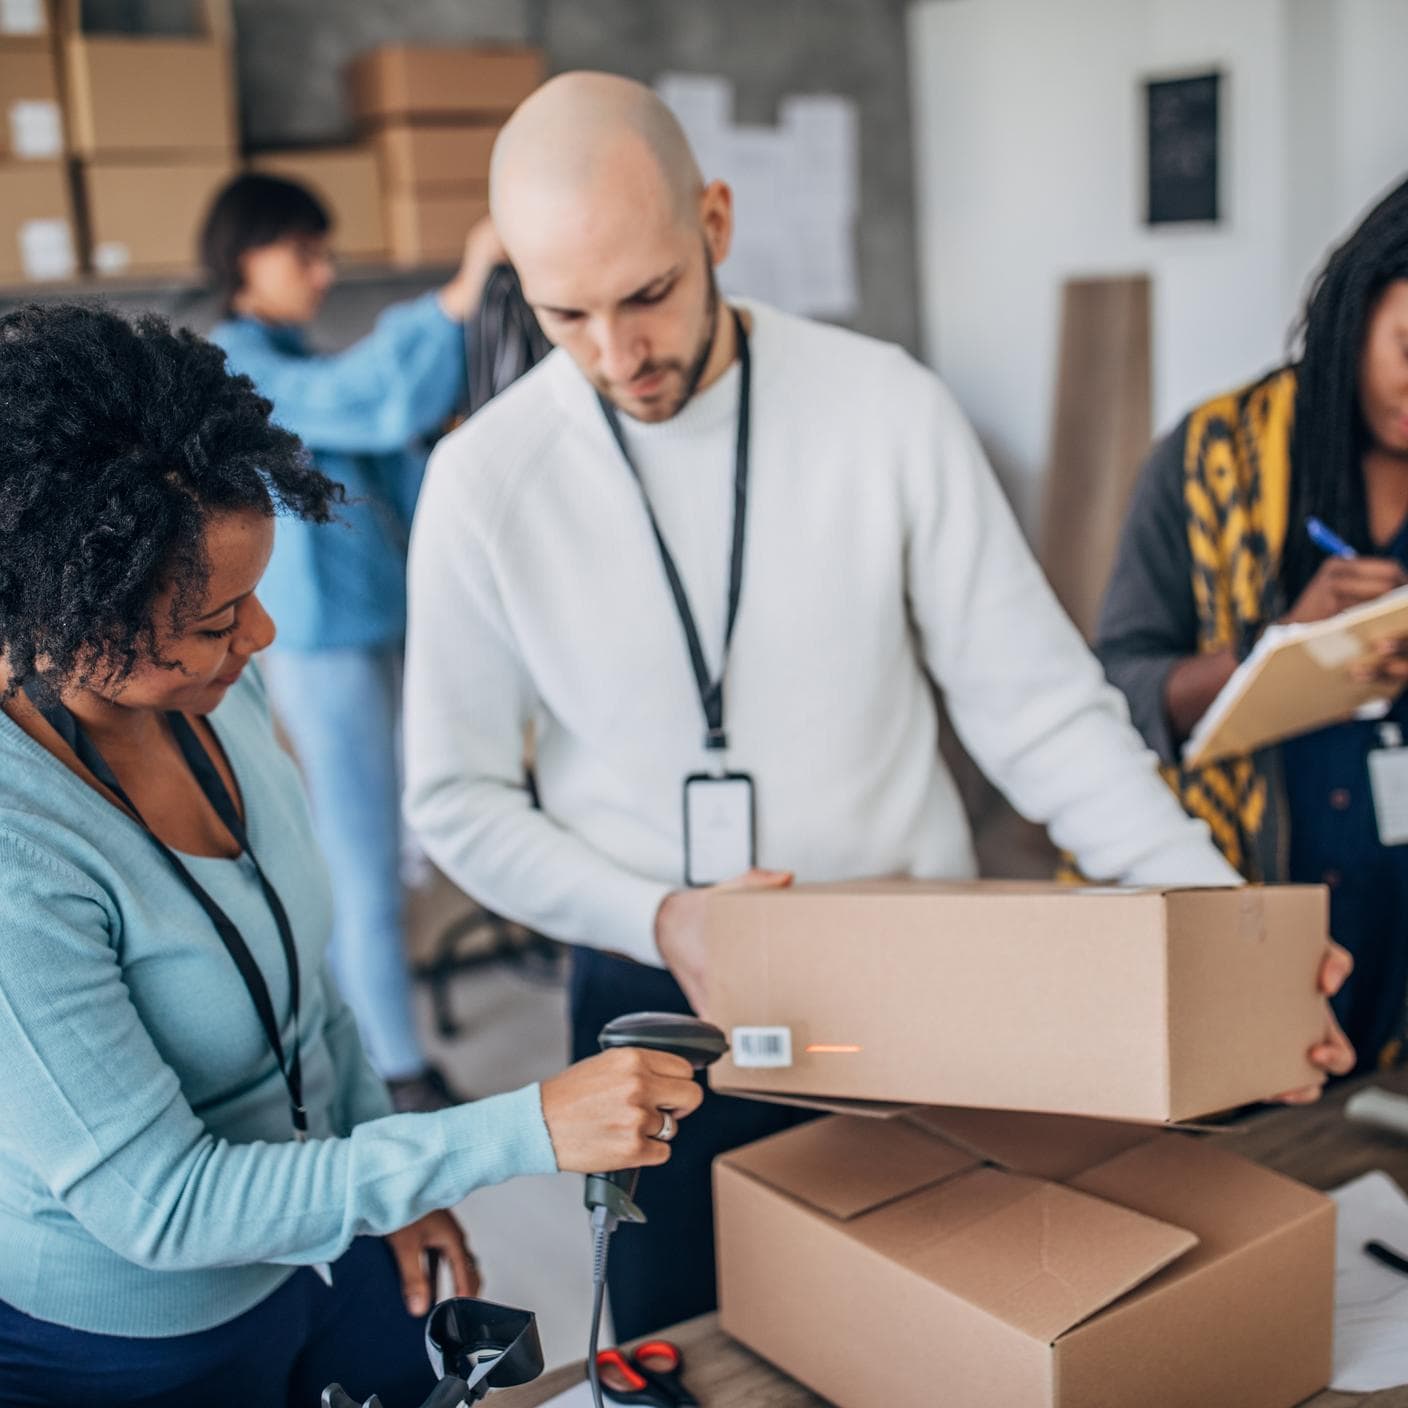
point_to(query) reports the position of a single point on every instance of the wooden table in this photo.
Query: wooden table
(1314, 1144)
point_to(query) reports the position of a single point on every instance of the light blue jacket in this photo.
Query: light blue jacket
(148, 1182)
(360, 412)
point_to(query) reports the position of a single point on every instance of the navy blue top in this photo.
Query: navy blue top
(1335, 841)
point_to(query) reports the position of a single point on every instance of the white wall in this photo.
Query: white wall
(1029, 145)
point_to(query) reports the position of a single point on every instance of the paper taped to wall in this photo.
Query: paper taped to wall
(796, 190)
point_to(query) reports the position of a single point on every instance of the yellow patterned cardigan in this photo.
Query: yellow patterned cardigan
(1236, 462)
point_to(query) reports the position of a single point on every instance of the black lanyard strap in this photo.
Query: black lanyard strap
(207, 776)
(711, 692)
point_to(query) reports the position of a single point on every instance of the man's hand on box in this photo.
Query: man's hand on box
(679, 929)
(1332, 1054)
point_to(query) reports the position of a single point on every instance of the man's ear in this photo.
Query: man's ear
(716, 217)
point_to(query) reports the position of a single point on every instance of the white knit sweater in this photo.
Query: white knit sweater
(881, 556)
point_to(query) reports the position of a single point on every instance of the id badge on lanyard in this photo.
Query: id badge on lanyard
(1388, 780)
(720, 840)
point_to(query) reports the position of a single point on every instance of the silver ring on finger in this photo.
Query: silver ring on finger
(668, 1128)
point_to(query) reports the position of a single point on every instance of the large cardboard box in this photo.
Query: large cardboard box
(431, 229)
(347, 181)
(436, 156)
(996, 1261)
(411, 80)
(37, 238)
(139, 94)
(145, 217)
(1125, 1004)
(31, 121)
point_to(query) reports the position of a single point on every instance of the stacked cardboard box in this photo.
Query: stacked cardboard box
(37, 238)
(152, 123)
(432, 115)
(347, 181)
(944, 1247)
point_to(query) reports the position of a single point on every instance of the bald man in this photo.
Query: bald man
(714, 557)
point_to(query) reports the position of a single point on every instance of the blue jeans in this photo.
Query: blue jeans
(281, 1354)
(341, 710)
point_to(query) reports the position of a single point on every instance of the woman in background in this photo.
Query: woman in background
(337, 590)
(1216, 547)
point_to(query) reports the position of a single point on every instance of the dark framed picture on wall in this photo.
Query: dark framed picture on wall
(1183, 139)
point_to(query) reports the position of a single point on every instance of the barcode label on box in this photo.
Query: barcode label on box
(46, 250)
(36, 130)
(762, 1046)
(22, 17)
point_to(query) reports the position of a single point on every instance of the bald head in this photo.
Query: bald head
(599, 202)
(587, 138)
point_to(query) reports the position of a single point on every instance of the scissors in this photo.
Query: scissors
(649, 1374)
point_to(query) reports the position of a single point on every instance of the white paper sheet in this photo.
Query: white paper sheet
(578, 1396)
(1371, 1300)
(796, 190)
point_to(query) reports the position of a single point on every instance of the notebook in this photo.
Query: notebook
(1297, 679)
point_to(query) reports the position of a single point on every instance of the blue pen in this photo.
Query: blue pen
(1327, 540)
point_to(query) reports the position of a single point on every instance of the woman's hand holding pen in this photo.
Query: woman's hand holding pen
(1342, 582)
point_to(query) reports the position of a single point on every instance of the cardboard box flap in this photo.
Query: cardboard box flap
(1044, 1146)
(849, 1165)
(1046, 1261)
(1228, 1201)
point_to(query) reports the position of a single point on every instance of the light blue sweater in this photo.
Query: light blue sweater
(149, 1184)
(343, 584)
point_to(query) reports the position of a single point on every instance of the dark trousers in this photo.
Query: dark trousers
(662, 1272)
(281, 1354)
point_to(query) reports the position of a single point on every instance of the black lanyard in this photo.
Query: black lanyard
(217, 794)
(711, 692)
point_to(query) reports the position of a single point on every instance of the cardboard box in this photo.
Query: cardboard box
(347, 181)
(37, 235)
(138, 95)
(438, 156)
(410, 80)
(31, 120)
(431, 229)
(145, 217)
(1006, 1261)
(1125, 1004)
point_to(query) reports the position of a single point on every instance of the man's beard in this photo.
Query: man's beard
(693, 373)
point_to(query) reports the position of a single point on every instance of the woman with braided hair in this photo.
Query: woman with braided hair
(1216, 548)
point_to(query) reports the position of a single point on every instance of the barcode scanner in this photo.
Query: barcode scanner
(610, 1197)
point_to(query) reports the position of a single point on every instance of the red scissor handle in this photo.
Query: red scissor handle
(613, 1360)
(659, 1355)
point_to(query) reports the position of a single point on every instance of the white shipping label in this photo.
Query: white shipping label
(36, 130)
(762, 1047)
(111, 257)
(22, 17)
(1332, 651)
(1388, 777)
(46, 250)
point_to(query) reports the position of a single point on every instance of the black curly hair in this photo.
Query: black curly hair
(1329, 436)
(118, 440)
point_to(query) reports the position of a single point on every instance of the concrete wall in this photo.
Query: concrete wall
(291, 54)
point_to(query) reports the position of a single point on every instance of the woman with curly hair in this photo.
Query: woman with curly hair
(204, 1195)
